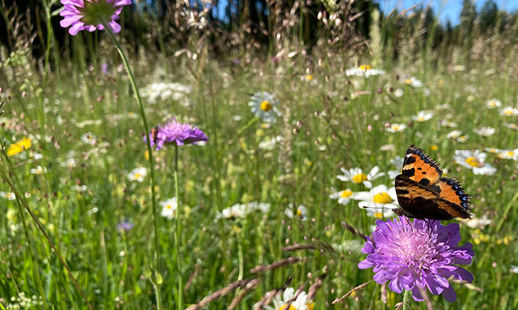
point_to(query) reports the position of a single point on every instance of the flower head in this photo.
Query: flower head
(343, 196)
(19, 147)
(417, 255)
(474, 161)
(422, 116)
(364, 70)
(493, 103)
(379, 201)
(137, 174)
(396, 128)
(8, 195)
(300, 303)
(264, 105)
(299, 212)
(175, 132)
(169, 208)
(484, 131)
(508, 111)
(357, 176)
(91, 14)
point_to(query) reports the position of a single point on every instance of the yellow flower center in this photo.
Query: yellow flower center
(311, 305)
(434, 147)
(299, 213)
(137, 175)
(378, 215)
(285, 307)
(346, 193)
(395, 127)
(383, 198)
(266, 106)
(474, 162)
(309, 77)
(420, 119)
(359, 178)
(408, 81)
(365, 67)
(509, 112)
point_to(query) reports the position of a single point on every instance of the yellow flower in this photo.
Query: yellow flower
(19, 147)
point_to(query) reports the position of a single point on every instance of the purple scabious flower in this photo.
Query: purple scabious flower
(125, 226)
(175, 132)
(417, 255)
(91, 14)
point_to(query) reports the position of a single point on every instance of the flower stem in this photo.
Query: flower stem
(158, 280)
(177, 235)
(406, 299)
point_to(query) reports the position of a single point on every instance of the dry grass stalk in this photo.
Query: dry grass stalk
(250, 286)
(271, 294)
(426, 298)
(354, 230)
(319, 245)
(278, 264)
(351, 291)
(220, 293)
(197, 269)
(315, 286)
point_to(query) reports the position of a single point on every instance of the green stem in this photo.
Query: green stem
(151, 164)
(406, 299)
(178, 231)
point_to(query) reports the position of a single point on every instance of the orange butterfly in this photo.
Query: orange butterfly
(423, 193)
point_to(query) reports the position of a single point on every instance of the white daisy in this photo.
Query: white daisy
(300, 303)
(264, 105)
(357, 176)
(484, 131)
(412, 81)
(137, 174)
(477, 222)
(8, 195)
(513, 269)
(474, 161)
(379, 201)
(236, 211)
(493, 103)
(398, 163)
(455, 134)
(493, 150)
(38, 170)
(69, 163)
(169, 208)
(396, 127)
(508, 154)
(364, 70)
(343, 196)
(446, 123)
(89, 138)
(509, 111)
(422, 116)
(300, 212)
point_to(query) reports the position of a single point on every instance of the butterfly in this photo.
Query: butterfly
(154, 133)
(423, 193)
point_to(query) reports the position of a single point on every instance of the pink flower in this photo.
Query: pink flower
(91, 14)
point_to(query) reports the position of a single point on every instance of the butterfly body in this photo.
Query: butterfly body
(423, 192)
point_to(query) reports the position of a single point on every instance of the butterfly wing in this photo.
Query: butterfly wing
(422, 192)
(420, 167)
(419, 201)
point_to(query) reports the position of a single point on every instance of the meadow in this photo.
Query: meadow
(271, 202)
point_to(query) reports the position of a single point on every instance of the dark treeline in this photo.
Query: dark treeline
(235, 26)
